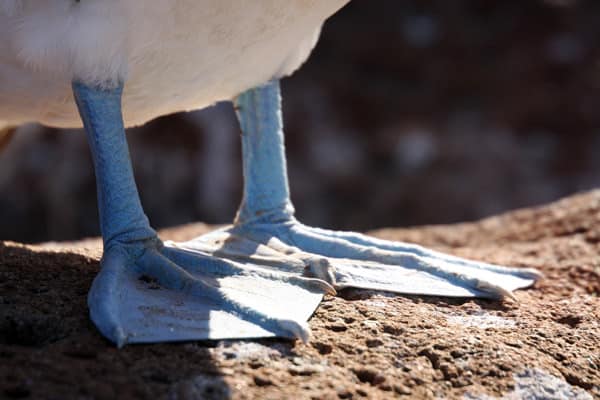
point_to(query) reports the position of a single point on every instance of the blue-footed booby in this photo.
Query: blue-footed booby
(109, 64)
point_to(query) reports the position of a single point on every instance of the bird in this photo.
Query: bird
(106, 65)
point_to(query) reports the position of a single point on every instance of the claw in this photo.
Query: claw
(299, 330)
(530, 273)
(326, 287)
(316, 284)
(119, 338)
(496, 291)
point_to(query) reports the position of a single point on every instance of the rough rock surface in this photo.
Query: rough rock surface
(365, 344)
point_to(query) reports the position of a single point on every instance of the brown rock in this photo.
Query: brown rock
(553, 328)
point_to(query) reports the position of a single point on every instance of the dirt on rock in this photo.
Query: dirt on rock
(365, 344)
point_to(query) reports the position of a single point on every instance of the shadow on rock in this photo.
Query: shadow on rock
(43, 311)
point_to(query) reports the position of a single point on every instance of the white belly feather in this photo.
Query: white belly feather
(173, 55)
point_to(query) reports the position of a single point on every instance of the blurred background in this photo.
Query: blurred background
(408, 113)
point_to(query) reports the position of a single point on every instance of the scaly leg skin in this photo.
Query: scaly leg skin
(149, 292)
(266, 233)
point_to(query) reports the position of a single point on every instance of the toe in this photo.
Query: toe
(103, 296)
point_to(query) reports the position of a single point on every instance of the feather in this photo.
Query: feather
(174, 55)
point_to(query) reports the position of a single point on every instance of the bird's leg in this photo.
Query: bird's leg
(266, 196)
(266, 232)
(126, 301)
(122, 219)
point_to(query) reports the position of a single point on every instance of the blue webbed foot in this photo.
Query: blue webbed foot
(149, 292)
(348, 259)
(266, 234)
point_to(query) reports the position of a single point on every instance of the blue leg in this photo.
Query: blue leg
(265, 231)
(146, 292)
(266, 195)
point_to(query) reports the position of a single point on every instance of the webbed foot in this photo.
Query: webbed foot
(348, 259)
(148, 292)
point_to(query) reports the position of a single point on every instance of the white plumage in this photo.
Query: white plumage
(174, 54)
